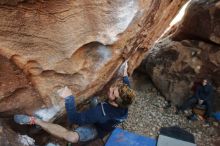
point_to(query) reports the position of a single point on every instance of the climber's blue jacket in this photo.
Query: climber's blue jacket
(104, 116)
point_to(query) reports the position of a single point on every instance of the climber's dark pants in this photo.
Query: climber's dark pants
(193, 101)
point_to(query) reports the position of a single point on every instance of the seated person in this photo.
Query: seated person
(94, 122)
(202, 95)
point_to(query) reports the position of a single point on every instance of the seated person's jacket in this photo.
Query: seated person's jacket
(204, 92)
(104, 116)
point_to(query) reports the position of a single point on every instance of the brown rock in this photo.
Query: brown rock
(177, 65)
(189, 54)
(10, 2)
(78, 43)
(16, 93)
(8, 137)
(201, 21)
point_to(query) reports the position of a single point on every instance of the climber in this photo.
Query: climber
(94, 122)
(201, 96)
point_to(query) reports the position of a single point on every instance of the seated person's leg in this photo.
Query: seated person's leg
(208, 108)
(207, 113)
(189, 103)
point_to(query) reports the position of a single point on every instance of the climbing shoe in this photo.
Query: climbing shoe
(24, 119)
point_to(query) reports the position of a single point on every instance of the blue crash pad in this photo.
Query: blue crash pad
(121, 137)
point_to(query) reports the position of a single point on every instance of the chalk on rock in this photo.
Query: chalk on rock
(46, 114)
(121, 69)
(26, 140)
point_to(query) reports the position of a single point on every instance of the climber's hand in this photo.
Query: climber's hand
(201, 102)
(64, 92)
(125, 68)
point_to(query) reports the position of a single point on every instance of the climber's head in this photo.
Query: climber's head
(121, 96)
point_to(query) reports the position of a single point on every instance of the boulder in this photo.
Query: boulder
(174, 66)
(80, 44)
(16, 91)
(9, 138)
(189, 54)
(201, 22)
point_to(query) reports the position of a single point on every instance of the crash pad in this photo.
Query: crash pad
(121, 137)
(170, 141)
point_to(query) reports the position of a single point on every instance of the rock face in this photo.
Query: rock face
(189, 54)
(201, 22)
(16, 92)
(78, 43)
(10, 138)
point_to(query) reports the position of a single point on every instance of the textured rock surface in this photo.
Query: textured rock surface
(79, 43)
(192, 52)
(201, 22)
(177, 64)
(11, 2)
(16, 92)
(10, 138)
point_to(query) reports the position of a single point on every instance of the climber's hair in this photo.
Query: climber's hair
(126, 96)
